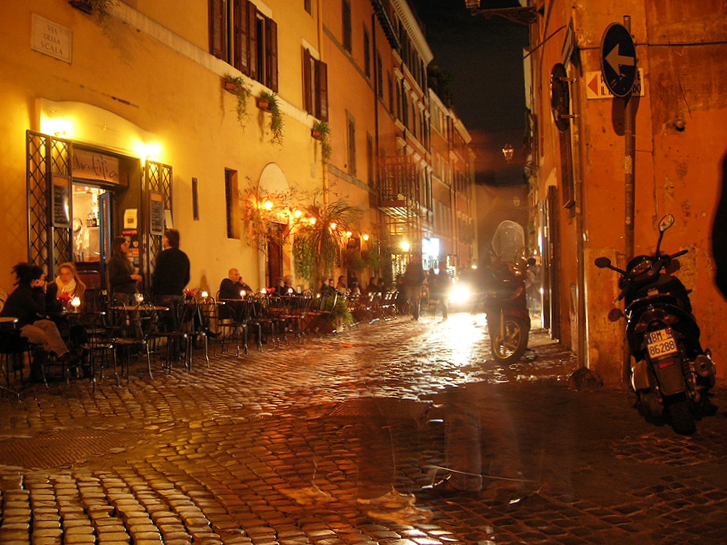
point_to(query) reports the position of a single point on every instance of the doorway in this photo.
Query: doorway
(91, 231)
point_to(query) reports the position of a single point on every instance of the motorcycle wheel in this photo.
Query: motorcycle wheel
(509, 348)
(682, 421)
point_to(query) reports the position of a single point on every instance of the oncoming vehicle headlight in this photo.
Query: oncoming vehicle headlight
(459, 293)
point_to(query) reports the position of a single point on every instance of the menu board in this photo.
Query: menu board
(156, 208)
(61, 208)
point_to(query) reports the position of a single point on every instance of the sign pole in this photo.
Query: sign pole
(630, 189)
(630, 145)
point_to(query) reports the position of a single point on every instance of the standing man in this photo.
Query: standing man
(413, 281)
(171, 275)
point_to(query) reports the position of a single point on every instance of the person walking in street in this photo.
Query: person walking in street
(171, 275)
(413, 280)
(123, 280)
(439, 287)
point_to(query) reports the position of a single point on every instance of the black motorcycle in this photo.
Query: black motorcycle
(506, 305)
(672, 375)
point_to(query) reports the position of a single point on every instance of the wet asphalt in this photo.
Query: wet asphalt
(278, 446)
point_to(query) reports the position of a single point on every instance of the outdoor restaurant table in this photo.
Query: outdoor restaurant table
(8, 322)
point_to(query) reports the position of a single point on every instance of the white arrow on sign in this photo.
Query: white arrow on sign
(617, 61)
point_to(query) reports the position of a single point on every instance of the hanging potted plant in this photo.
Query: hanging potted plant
(237, 86)
(269, 102)
(321, 131)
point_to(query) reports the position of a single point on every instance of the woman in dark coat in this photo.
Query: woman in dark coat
(122, 280)
(27, 304)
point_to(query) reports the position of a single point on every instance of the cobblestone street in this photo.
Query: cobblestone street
(270, 448)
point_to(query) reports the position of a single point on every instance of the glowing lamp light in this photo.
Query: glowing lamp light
(263, 291)
(268, 205)
(459, 293)
(242, 293)
(312, 221)
(297, 213)
(333, 225)
(75, 303)
(204, 294)
(290, 290)
(139, 297)
(366, 237)
(405, 245)
(349, 234)
(59, 127)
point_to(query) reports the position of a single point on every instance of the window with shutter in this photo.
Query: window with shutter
(241, 45)
(379, 76)
(252, 41)
(351, 133)
(322, 94)
(308, 79)
(218, 28)
(271, 54)
(367, 54)
(347, 33)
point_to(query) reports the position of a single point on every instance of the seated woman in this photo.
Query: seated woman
(69, 285)
(27, 304)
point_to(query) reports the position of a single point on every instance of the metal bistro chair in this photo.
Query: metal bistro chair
(179, 339)
(140, 321)
(319, 315)
(13, 349)
(295, 317)
(228, 320)
(99, 344)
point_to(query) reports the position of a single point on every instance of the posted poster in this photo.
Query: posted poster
(156, 207)
(61, 209)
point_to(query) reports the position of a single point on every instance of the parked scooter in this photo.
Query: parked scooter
(506, 305)
(671, 375)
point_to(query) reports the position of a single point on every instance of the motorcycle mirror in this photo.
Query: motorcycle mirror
(615, 315)
(673, 267)
(666, 222)
(603, 262)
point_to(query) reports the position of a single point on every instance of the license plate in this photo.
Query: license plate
(661, 343)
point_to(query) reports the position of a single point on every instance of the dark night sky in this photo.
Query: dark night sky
(485, 58)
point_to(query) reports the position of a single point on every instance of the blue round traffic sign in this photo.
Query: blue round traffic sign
(618, 60)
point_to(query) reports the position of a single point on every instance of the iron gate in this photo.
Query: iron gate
(157, 178)
(49, 244)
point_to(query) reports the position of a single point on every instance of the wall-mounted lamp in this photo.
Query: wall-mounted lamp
(508, 151)
(366, 237)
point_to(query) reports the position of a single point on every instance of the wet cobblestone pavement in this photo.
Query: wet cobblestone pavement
(267, 449)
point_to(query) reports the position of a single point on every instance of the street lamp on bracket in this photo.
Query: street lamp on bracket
(508, 152)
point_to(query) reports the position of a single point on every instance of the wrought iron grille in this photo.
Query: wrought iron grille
(48, 245)
(158, 178)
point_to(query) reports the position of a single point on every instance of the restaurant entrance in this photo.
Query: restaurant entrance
(80, 197)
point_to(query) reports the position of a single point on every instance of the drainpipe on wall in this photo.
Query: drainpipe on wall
(324, 165)
(578, 162)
